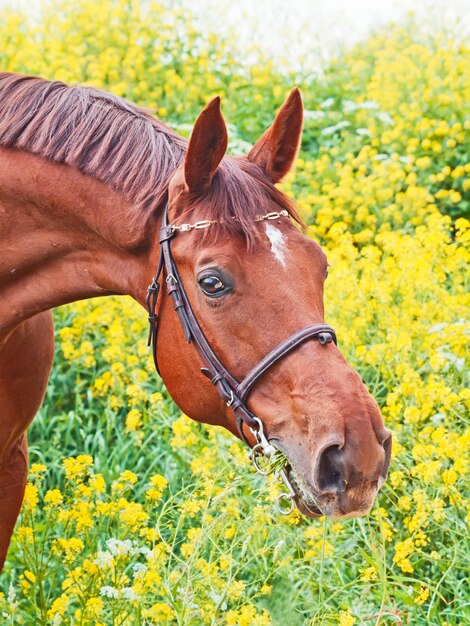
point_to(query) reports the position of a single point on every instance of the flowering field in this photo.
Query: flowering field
(136, 515)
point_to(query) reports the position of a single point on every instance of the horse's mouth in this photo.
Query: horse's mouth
(304, 499)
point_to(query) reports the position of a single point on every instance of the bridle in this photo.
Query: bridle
(233, 393)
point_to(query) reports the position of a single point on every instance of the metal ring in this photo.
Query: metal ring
(290, 499)
(255, 452)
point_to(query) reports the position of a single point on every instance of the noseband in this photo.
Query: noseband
(233, 393)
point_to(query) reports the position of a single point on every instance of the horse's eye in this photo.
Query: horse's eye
(211, 285)
(326, 274)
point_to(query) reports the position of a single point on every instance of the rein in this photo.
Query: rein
(233, 393)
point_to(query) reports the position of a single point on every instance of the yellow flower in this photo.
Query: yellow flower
(158, 483)
(94, 607)
(422, 596)
(25, 533)
(369, 573)
(37, 468)
(235, 589)
(53, 497)
(31, 497)
(191, 507)
(156, 398)
(159, 612)
(184, 435)
(229, 532)
(403, 550)
(124, 482)
(69, 547)
(346, 619)
(75, 467)
(29, 576)
(133, 420)
(396, 479)
(103, 384)
(128, 477)
(151, 534)
(247, 616)
(449, 476)
(97, 483)
(225, 562)
(133, 515)
(58, 607)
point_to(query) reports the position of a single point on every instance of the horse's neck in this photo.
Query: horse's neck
(64, 237)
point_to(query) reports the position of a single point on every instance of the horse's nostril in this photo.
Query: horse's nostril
(330, 474)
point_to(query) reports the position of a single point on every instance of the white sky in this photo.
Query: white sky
(308, 30)
(316, 29)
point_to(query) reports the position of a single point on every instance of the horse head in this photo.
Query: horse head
(252, 279)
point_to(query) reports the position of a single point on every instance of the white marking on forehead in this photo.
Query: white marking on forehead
(278, 243)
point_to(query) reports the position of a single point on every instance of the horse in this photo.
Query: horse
(98, 197)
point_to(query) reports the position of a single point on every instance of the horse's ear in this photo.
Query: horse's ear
(206, 149)
(276, 150)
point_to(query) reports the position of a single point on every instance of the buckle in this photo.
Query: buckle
(166, 233)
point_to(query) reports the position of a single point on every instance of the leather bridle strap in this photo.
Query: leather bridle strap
(232, 392)
(322, 332)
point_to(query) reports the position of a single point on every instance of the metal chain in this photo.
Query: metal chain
(184, 228)
(274, 215)
(197, 225)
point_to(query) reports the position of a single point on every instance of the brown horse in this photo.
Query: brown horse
(84, 181)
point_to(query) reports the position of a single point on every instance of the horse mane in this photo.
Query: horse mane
(123, 146)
